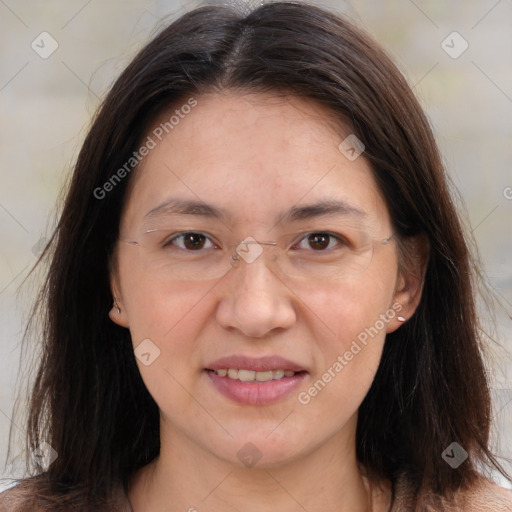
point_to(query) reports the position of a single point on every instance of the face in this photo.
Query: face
(267, 168)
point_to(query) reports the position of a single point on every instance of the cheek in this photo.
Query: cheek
(172, 319)
(349, 357)
(167, 313)
(349, 308)
(155, 308)
(165, 321)
(352, 318)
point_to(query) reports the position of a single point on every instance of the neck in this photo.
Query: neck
(187, 478)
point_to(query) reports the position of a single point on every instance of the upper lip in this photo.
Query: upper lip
(257, 364)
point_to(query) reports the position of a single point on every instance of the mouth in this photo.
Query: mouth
(244, 375)
(255, 392)
(255, 381)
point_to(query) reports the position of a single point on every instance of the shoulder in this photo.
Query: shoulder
(485, 496)
(18, 499)
(482, 496)
(26, 496)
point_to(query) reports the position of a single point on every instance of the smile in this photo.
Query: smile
(253, 376)
(249, 387)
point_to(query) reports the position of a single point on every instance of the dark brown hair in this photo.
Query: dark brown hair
(89, 401)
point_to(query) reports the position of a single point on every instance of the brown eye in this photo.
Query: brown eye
(191, 241)
(319, 241)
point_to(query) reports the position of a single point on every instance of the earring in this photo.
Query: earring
(400, 318)
(116, 305)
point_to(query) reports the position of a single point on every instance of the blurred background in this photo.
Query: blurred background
(58, 58)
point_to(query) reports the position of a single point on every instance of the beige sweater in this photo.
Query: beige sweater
(485, 497)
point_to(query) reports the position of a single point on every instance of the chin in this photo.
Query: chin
(263, 451)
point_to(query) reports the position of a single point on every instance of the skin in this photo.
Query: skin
(256, 156)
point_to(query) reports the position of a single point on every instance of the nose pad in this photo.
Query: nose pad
(249, 250)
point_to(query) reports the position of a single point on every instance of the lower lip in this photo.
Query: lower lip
(255, 393)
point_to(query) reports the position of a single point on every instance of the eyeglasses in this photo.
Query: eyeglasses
(173, 255)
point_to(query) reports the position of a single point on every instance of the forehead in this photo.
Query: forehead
(252, 155)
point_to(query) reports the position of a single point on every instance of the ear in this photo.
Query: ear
(117, 313)
(413, 255)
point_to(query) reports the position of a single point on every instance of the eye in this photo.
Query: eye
(190, 241)
(320, 241)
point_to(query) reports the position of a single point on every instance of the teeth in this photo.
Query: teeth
(246, 375)
(264, 376)
(252, 376)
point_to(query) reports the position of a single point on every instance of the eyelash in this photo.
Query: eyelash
(340, 239)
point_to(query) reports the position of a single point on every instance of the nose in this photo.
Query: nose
(256, 301)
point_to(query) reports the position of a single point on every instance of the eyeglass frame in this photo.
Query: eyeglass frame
(235, 259)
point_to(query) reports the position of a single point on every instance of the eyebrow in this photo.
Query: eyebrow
(199, 208)
(322, 208)
(185, 207)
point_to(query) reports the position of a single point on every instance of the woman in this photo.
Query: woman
(260, 288)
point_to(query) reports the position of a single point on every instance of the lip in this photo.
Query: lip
(256, 364)
(255, 393)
